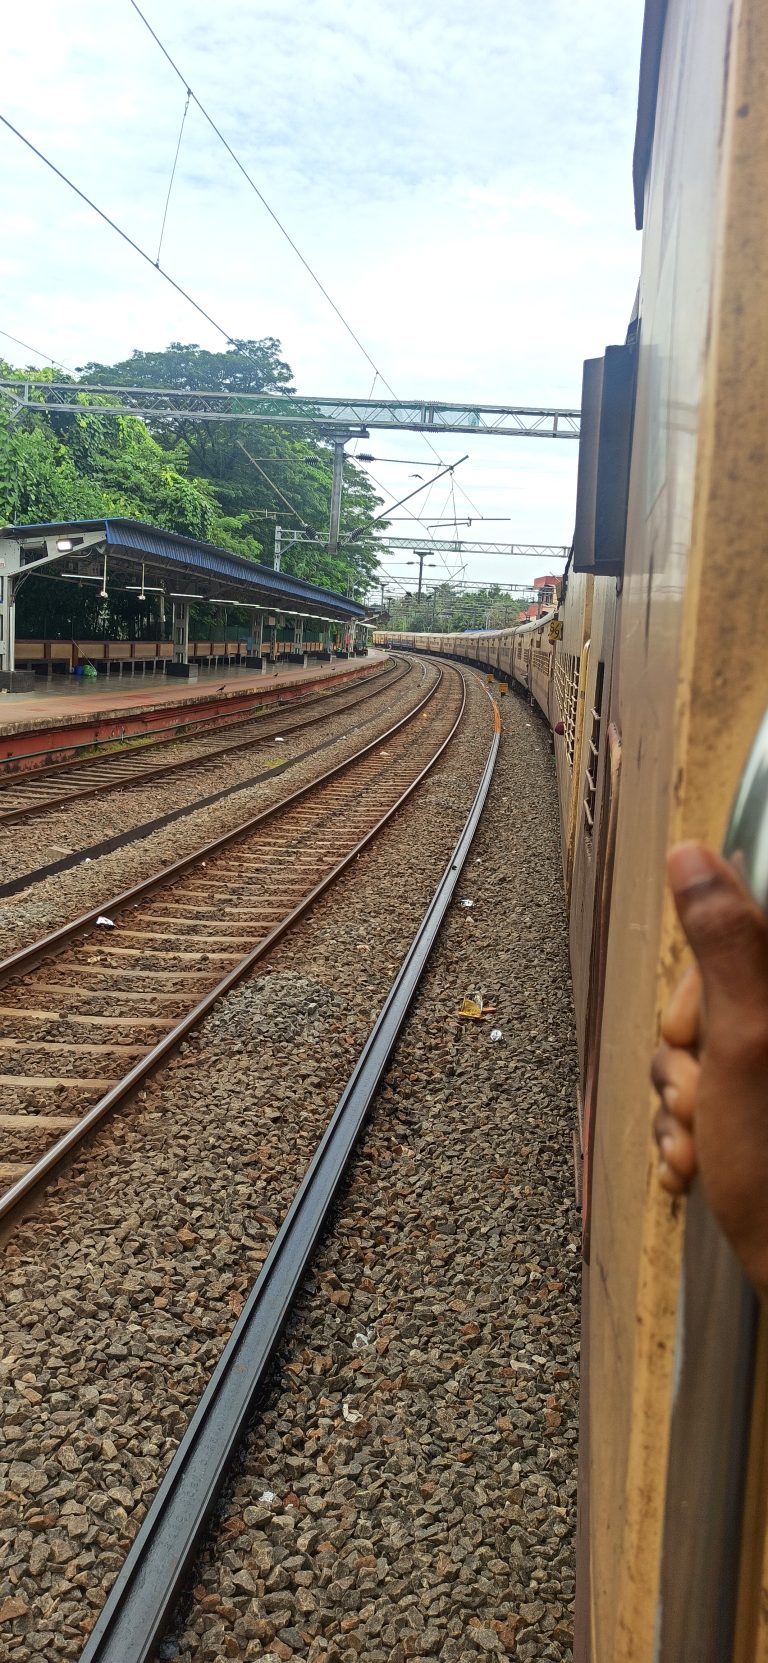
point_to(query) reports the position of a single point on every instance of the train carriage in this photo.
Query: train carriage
(654, 689)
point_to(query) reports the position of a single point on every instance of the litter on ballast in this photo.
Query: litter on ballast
(466, 903)
(351, 1415)
(267, 1496)
(278, 740)
(495, 1035)
(106, 922)
(472, 1008)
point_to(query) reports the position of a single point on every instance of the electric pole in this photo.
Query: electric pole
(339, 441)
(338, 474)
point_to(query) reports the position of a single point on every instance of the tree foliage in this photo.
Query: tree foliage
(448, 608)
(182, 475)
(289, 481)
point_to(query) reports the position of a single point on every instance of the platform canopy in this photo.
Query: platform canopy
(139, 555)
(126, 555)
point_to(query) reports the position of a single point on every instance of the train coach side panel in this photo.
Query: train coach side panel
(588, 816)
(568, 699)
(692, 686)
(506, 654)
(542, 665)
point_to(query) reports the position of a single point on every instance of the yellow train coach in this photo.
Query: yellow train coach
(653, 683)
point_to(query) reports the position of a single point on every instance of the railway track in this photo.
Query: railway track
(23, 796)
(89, 1010)
(144, 1598)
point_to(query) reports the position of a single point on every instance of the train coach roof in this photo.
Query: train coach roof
(650, 63)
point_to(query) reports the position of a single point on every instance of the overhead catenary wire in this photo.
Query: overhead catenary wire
(292, 509)
(453, 499)
(173, 176)
(378, 376)
(428, 484)
(443, 510)
(398, 461)
(432, 525)
(230, 339)
(385, 512)
(220, 329)
(409, 512)
(227, 335)
(37, 354)
(254, 187)
(370, 396)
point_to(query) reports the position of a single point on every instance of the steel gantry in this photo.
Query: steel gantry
(287, 410)
(445, 545)
(442, 545)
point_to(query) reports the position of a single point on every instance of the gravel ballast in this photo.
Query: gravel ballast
(64, 895)
(410, 1491)
(121, 1290)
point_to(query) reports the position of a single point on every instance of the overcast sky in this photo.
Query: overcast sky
(458, 172)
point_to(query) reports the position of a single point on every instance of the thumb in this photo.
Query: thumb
(727, 931)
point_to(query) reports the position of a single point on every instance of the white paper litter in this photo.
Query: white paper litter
(350, 1415)
(107, 922)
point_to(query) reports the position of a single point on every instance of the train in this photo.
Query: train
(651, 673)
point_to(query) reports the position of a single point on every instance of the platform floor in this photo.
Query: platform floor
(66, 702)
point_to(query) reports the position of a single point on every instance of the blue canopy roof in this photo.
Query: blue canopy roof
(205, 561)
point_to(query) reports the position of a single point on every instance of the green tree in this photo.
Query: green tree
(450, 609)
(185, 476)
(296, 461)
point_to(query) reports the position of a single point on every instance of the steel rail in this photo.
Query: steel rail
(120, 840)
(175, 730)
(141, 1601)
(29, 811)
(28, 958)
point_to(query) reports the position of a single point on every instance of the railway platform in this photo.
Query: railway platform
(58, 719)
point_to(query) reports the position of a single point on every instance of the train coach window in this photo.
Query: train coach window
(593, 754)
(566, 695)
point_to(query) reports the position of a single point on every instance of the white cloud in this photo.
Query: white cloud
(459, 175)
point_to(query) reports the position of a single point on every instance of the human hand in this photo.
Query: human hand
(711, 1068)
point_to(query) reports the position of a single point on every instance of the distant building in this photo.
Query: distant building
(547, 596)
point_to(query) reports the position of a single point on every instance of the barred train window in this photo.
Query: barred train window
(593, 754)
(567, 667)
